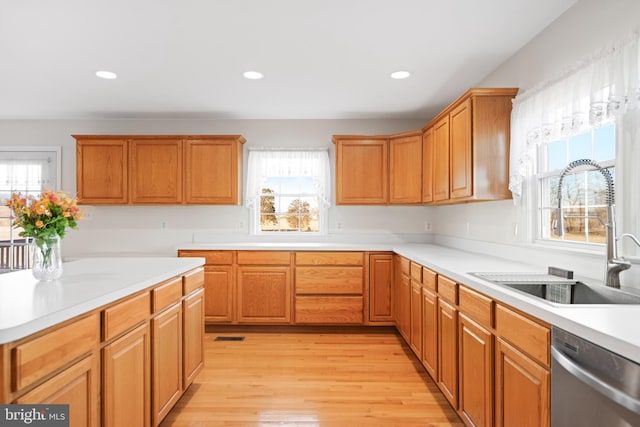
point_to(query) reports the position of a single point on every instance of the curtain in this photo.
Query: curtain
(602, 88)
(284, 163)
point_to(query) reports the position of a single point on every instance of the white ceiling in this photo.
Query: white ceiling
(320, 58)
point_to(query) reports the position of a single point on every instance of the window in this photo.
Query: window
(27, 170)
(584, 191)
(287, 191)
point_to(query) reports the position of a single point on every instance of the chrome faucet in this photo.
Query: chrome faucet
(614, 265)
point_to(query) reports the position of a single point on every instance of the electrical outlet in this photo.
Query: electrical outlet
(164, 225)
(427, 226)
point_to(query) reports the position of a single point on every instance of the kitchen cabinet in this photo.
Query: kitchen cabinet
(430, 332)
(166, 360)
(329, 288)
(471, 147)
(427, 165)
(219, 284)
(155, 171)
(380, 288)
(192, 336)
(415, 305)
(403, 298)
(126, 393)
(522, 377)
(405, 168)
(448, 351)
(101, 171)
(213, 170)
(76, 386)
(264, 287)
(159, 169)
(362, 170)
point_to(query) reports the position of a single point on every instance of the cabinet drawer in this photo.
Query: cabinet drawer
(329, 258)
(329, 280)
(416, 272)
(429, 279)
(476, 306)
(167, 294)
(264, 257)
(192, 281)
(448, 289)
(404, 265)
(43, 355)
(529, 336)
(329, 310)
(125, 315)
(211, 257)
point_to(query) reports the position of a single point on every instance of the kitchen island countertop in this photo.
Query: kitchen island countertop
(28, 306)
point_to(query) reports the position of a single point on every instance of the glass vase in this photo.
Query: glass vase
(47, 261)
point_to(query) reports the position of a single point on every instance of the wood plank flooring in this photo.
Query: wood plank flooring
(320, 378)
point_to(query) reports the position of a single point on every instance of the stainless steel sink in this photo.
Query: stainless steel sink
(578, 293)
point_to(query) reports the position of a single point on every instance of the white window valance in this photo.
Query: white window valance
(595, 91)
(288, 163)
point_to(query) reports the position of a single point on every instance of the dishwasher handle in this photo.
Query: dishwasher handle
(614, 394)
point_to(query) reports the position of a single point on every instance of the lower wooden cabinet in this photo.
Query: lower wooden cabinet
(403, 299)
(166, 360)
(380, 288)
(328, 310)
(521, 389)
(126, 393)
(416, 318)
(264, 294)
(192, 336)
(218, 302)
(430, 332)
(76, 386)
(475, 351)
(448, 351)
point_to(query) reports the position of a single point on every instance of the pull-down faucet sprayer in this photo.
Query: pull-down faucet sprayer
(614, 265)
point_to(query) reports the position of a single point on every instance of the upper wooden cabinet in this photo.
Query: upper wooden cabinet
(362, 170)
(159, 169)
(405, 168)
(155, 171)
(427, 166)
(471, 147)
(101, 170)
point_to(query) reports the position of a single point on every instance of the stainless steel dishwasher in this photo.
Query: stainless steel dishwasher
(591, 386)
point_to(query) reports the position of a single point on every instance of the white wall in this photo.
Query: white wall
(588, 26)
(139, 229)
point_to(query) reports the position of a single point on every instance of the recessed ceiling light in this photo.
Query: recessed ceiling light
(399, 75)
(106, 75)
(252, 75)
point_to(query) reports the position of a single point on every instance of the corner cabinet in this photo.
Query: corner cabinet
(405, 168)
(159, 169)
(471, 148)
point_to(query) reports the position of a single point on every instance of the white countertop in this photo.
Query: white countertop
(614, 327)
(28, 306)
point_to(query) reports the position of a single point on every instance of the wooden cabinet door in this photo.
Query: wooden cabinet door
(101, 171)
(125, 380)
(521, 389)
(192, 336)
(427, 166)
(167, 361)
(416, 318)
(155, 171)
(76, 386)
(460, 151)
(430, 332)
(380, 288)
(405, 169)
(441, 159)
(212, 169)
(264, 294)
(362, 176)
(448, 351)
(404, 306)
(475, 346)
(218, 295)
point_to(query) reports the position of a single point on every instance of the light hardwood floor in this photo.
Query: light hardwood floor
(320, 378)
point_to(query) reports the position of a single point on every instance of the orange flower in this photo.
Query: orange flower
(42, 207)
(39, 223)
